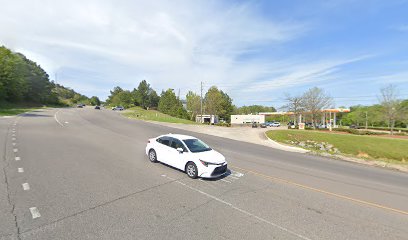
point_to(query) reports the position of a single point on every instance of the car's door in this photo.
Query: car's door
(177, 159)
(162, 148)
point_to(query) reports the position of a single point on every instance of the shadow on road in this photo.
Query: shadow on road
(34, 115)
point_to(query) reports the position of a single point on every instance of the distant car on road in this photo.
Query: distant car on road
(97, 107)
(275, 124)
(118, 108)
(188, 154)
(80, 106)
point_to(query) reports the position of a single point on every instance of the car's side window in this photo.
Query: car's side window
(164, 140)
(175, 143)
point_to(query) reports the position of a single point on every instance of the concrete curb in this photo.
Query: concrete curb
(280, 146)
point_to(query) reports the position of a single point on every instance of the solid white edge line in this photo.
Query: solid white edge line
(26, 186)
(34, 212)
(56, 119)
(20, 170)
(241, 210)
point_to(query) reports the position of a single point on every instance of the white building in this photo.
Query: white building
(212, 119)
(244, 119)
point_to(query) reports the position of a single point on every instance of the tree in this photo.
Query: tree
(226, 107)
(142, 94)
(294, 104)
(171, 105)
(391, 105)
(314, 100)
(95, 101)
(253, 109)
(153, 99)
(193, 104)
(213, 101)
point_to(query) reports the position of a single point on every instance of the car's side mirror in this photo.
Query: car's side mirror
(180, 150)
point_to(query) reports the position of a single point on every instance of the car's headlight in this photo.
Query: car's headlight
(205, 163)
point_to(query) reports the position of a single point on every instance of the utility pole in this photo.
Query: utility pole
(201, 102)
(178, 95)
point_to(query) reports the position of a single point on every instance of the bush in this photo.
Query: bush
(223, 124)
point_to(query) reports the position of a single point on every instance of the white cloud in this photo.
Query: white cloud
(401, 28)
(172, 43)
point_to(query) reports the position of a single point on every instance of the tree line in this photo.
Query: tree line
(215, 101)
(24, 81)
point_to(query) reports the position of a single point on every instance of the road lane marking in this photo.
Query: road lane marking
(15, 150)
(208, 184)
(14, 139)
(20, 170)
(14, 144)
(26, 186)
(13, 135)
(34, 212)
(66, 122)
(56, 119)
(241, 210)
(17, 158)
(323, 191)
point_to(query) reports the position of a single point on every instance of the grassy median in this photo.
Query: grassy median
(15, 109)
(153, 115)
(368, 147)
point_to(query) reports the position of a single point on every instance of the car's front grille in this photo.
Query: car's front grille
(219, 170)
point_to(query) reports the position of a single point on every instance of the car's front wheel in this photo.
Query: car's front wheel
(191, 170)
(152, 156)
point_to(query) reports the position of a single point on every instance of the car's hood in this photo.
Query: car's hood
(210, 156)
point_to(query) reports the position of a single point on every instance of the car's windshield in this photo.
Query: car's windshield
(196, 145)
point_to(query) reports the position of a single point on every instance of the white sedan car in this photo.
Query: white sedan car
(188, 154)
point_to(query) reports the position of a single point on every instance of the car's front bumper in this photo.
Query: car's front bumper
(213, 171)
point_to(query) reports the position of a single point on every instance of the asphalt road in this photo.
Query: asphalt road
(83, 174)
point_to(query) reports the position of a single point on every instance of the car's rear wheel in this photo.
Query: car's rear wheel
(152, 156)
(191, 170)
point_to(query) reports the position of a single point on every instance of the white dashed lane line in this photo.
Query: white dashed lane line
(34, 212)
(26, 186)
(14, 144)
(15, 150)
(20, 170)
(14, 139)
(17, 158)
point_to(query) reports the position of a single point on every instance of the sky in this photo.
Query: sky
(255, 51)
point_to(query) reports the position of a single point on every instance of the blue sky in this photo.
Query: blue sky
(256, 51)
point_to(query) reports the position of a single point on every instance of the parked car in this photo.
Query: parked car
(254, 125)
(354, 126)
(275, 124)
(263, 125)
(118, 108)
(188, 154)
(79, 106)
(97, 107)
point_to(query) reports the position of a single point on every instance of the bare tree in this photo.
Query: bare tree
(391, 105)
(294, 104)
(314, 100)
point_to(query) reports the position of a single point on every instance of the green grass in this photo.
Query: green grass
(153, 115)
(15, 109)
(369, 147)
